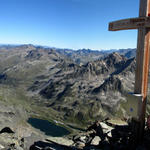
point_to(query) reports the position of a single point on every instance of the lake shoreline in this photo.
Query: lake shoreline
(49, 128)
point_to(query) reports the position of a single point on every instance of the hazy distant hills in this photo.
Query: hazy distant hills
(78, 56)
(85, 55)
(70, 85)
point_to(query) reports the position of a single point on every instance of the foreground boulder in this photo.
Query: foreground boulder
(101, 135)
(6, 130)
(110, 135)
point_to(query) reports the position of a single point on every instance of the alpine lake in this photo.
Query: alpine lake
(49, 128)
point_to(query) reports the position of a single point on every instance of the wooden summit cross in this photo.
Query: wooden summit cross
(142, 55)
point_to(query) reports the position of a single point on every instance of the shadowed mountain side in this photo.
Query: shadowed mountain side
(77, 88)
(75, 92)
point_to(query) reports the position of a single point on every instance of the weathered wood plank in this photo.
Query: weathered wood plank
(143, 8)
(142, 56)
(131, 23)
(141, 74)
(148, 9)
(142, 64)
(139, 61)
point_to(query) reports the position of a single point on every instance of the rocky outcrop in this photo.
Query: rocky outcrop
(113, 84)
(12, 140)
(76, 92)
(102, 136)
(102, 81)
(6, 130)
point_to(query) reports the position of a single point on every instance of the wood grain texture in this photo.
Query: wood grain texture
(142, 68)
(148, 8)
(143, 8)
(131, 23)
(142, 56)
(139, 61)
(142, 65)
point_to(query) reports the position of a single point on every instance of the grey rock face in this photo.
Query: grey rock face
(53, 80)
(122, 137)
(95, 141)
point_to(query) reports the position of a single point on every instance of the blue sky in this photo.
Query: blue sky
(72, 24)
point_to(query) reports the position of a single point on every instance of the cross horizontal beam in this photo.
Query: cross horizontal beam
(131, 23)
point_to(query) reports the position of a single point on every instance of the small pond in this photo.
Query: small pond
(48, 128)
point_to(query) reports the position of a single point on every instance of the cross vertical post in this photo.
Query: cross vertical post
(142, 64)
(142, 57)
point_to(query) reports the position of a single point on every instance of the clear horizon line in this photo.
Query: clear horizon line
(19, 44)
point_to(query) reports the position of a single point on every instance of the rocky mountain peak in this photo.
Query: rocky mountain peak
(115, 58)
(58, 83)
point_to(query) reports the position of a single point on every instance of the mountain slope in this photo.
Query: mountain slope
(54, 85)
(77, 90)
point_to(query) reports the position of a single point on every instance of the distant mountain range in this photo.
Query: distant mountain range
(85, 55)
(75, 86)
(81, 55)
